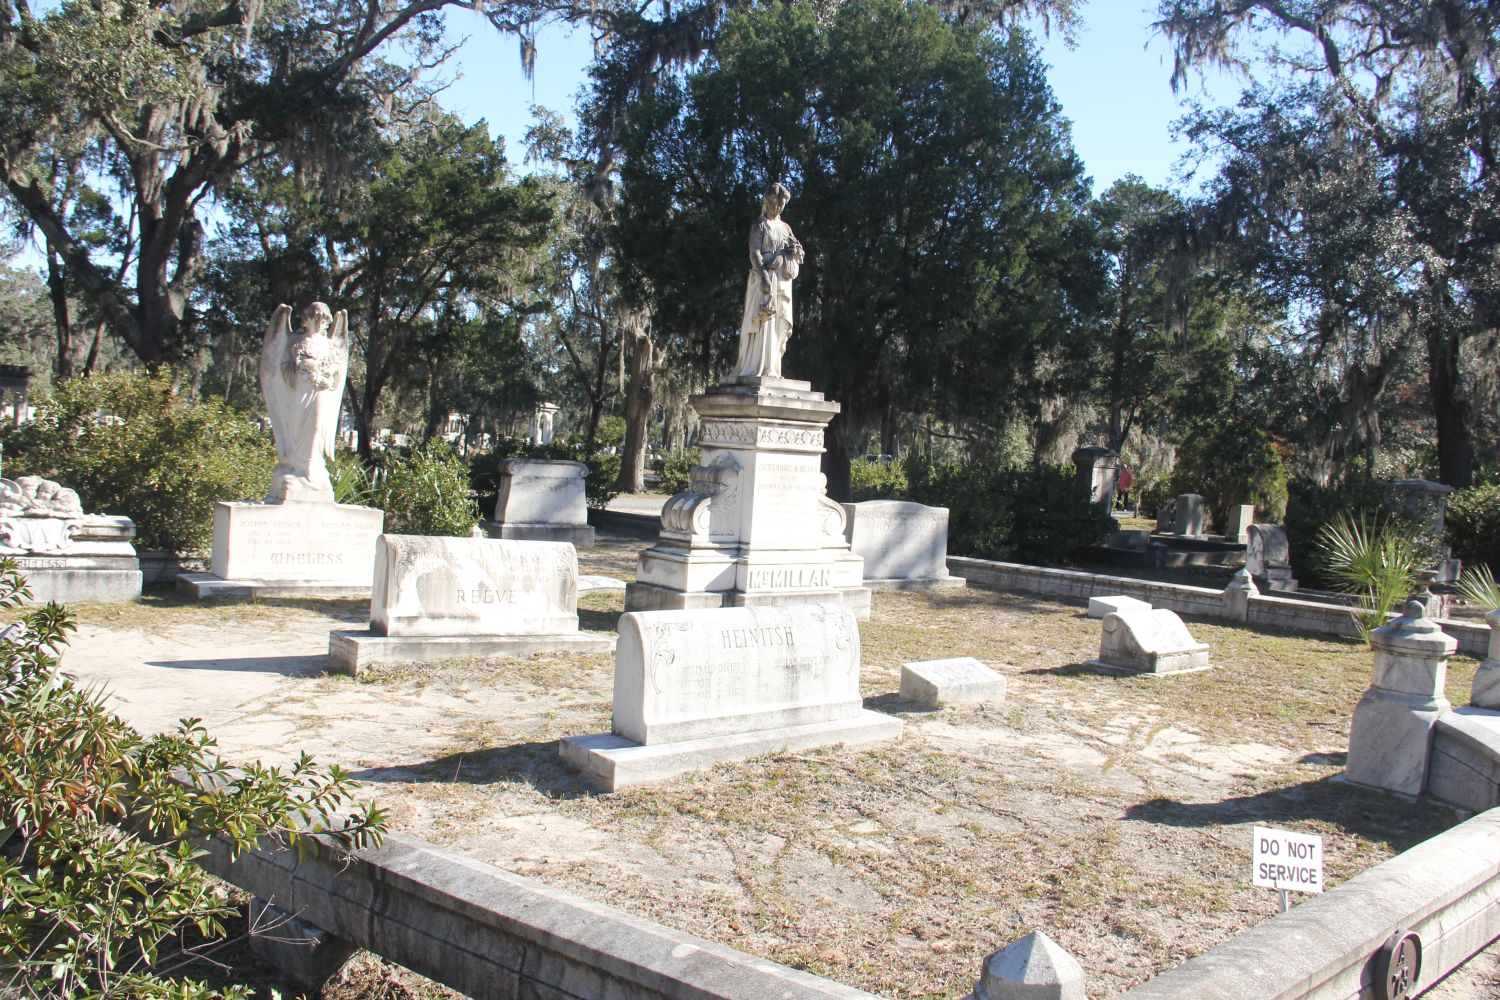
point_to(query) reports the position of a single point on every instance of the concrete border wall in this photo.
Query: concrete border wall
(489, 933)
(1265, 610)
(1446, 890)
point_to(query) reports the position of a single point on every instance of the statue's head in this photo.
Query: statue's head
(317, 318)
(775, 199)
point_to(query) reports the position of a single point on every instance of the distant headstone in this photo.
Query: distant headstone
(1234, 602)
(66, 555)
(1188, 514)
(961, 680)
(542, 500)
(542, 417)
(1101, 606)
(1485, 691)
(438, 598)
(1150, 642)
(1033, 968)
(904, 545)
(1166, 519)
(695, 688)
(1099, 473)
(1268, 557)
(1390, 739)
(1240, 518)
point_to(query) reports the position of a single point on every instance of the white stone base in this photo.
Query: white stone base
(609, 762)
(650, 597)
(352, 650)
(207, 587)
(87, 572)
(580, 536)
(961, 680)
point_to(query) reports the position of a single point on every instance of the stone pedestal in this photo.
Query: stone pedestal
(1235, 600)
(1241, 516)
(542, 500)
(1033, 968)
(1390, 739)
(693, 689)
(1485, 692)
(755, 527)
(93, 560)
(1188, 520)
(1099, 473)
(288, 550)
(440, 598)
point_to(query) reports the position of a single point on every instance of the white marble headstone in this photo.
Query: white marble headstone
(961, 679)
(542, 491)
(898, 540)
(426, 586)
(1155, 642)
(687, 675)
(1108, 604)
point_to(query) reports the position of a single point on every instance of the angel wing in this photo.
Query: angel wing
(273, 385)
(328, 429)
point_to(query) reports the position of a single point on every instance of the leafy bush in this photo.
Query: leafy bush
(131, 444)
(677, 469)
(1312, 506)
(1374, 557)
(1479, 586)
(876, 480)
(1036, 514)
(99, 825)
(1237, 464)
(423, 491)
(1151, 494)
(1473, 523)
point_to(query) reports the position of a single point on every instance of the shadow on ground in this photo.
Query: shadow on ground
(288, 666)
(1363, 812)
(536, 764)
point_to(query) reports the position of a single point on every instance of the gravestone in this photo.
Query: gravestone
(1099, 473)
(1485, 691)
(299, 541)
(904, 545)
(961, 680)
(439, 598)
(1241, 516)
(1148, 642)
(1188, 515)
(696, 688)
(1390, 738)
(542, 500)
(1104, 605)
(66, 555)
(1268, 557)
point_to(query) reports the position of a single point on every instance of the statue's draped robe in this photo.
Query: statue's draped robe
(763, 337)
(302, 377)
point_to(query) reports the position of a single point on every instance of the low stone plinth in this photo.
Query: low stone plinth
(960, 680)
(542, 500)
(97, 563)
(1148, 642)
(693, 689)
(294, 549)
(1101, 606)
(353, 650)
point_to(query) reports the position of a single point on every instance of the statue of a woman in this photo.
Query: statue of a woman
(775, 259)
(302, 376)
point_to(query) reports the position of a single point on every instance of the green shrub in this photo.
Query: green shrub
(1035, 514)
(1312, 506)
(1473, 523)
(131, 444)
(1237, 464)
(424, 491)
(677, 469)
(99, 827)
(876, 480)
(1151, 494)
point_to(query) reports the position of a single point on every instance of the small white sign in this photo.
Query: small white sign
(1282, 859)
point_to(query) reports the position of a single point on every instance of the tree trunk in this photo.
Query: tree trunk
(640, 391)
(837, 457)
(1455, 426)
(62, 320)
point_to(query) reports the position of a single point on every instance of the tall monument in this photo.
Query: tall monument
(756, 527)
(299, 541)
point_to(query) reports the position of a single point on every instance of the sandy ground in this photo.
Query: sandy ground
(1113, 813)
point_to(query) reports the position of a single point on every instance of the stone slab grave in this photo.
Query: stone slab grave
(697, 688)
(1148, 642)
(441, 598)
(904, 545)
(960, 680)
(1110, 603)
(542, 500)
(66, 555)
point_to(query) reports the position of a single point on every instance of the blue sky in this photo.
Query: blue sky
(1113, 87)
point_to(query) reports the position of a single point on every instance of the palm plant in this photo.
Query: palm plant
(1372, 558)
(1478, 585)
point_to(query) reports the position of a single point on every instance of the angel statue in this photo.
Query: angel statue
(302, 377)
(775, 259)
